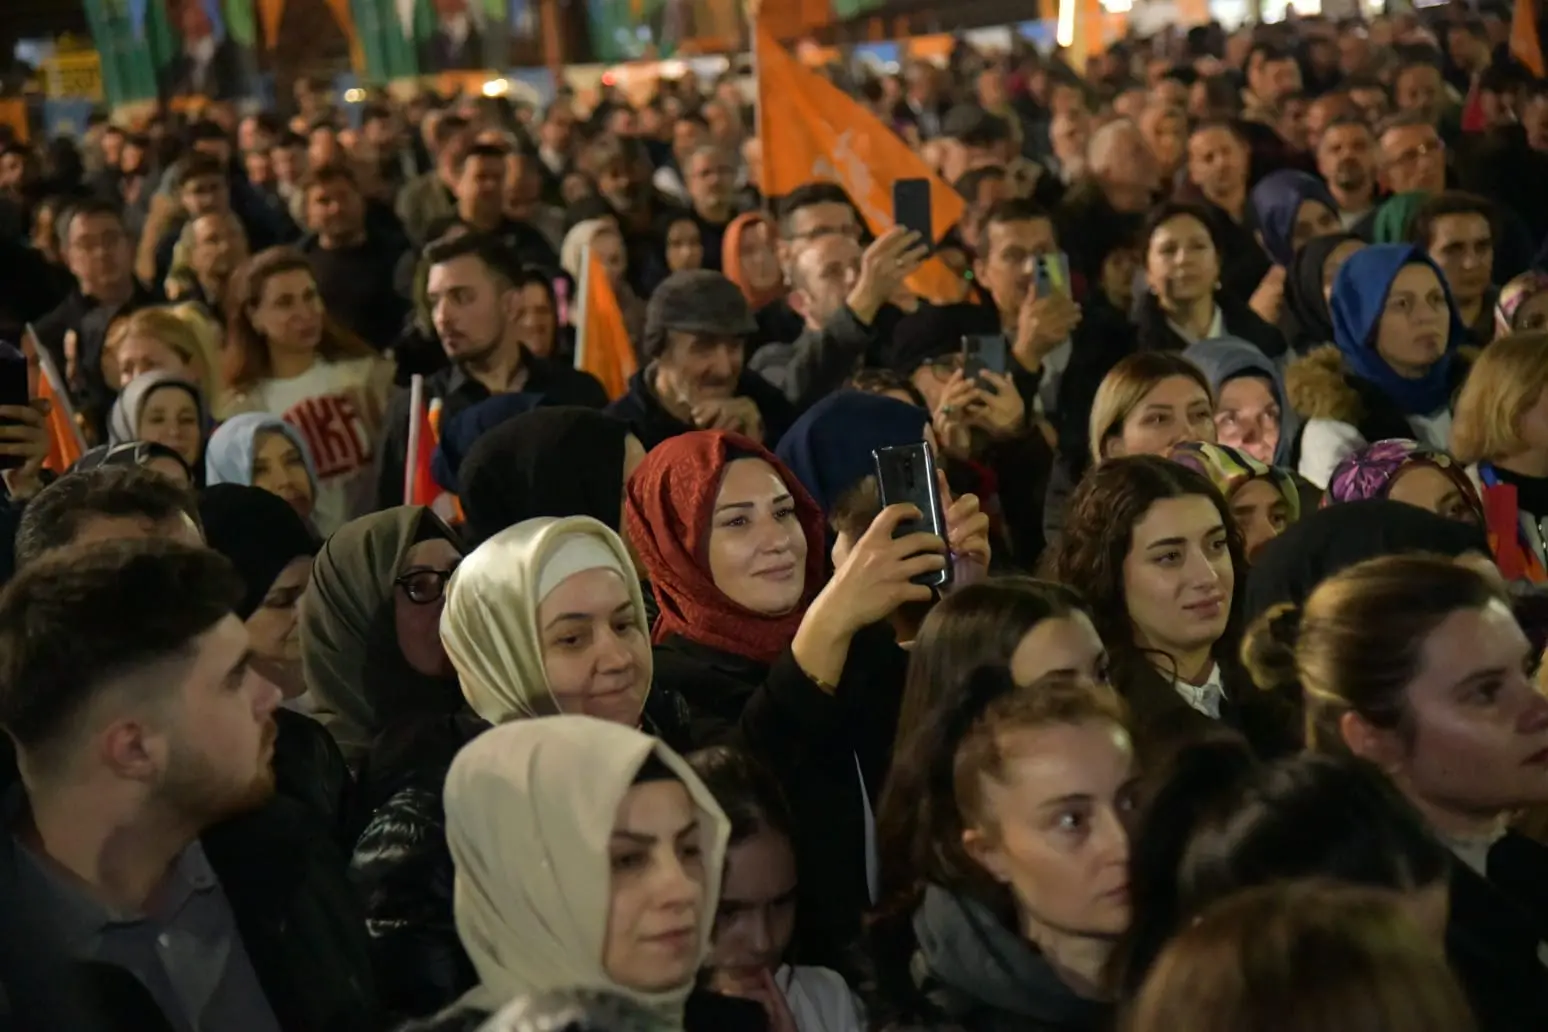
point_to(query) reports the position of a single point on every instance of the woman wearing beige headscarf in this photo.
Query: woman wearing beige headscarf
(545, 617)
(588, 856)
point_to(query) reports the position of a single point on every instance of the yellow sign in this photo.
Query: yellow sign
(73, 75)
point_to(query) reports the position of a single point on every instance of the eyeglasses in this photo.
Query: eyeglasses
(425, 586)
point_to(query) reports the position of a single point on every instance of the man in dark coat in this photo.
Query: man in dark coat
(145, 825)
(696, 330)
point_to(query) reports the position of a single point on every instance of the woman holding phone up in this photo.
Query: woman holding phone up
(804, 675)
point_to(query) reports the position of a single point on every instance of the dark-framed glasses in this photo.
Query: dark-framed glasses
(423, 585)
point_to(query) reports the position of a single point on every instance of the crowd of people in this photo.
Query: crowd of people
(1213, 705)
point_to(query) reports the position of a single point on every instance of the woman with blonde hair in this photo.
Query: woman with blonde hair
(1302, 957)
(1149, 402)
(285, 356)
(1500, 430)
(163, 338)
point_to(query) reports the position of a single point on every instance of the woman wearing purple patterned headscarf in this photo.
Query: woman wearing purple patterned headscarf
(1410, 472)
(1523, 304)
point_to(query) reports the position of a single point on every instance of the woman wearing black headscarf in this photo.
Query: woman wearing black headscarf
(1305, 319)
(562, 461)
(272, 549)
(1328, 540)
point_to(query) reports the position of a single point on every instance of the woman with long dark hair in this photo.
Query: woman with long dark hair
(1155, 549)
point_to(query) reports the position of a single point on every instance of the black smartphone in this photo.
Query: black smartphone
(906, 473)
(911, 208)
(984, 351)
(13, 390)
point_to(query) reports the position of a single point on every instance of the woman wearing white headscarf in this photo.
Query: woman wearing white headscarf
(545, 617)
(588, 855)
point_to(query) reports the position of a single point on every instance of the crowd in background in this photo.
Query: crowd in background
(1213, 705)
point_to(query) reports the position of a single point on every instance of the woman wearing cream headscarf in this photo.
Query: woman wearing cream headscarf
(588, 856)
(545, 617)
(603, 238)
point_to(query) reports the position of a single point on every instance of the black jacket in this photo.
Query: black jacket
(1239, 320)
(356, 283)
(652, 423)
(403, 868)
(298, 918)
(556, 384)
(309, 768)
(1495, 934)
(811, 741)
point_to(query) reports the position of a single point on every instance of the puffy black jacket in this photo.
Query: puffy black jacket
(403, 868)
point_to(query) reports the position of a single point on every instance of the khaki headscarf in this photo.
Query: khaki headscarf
(530, 809)
(489, 627)
(354, 668)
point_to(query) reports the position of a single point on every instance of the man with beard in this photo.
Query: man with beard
(145, 823)
(1346, 158)
(476, 308)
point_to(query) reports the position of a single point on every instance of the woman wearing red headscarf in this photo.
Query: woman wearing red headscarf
(804, 675)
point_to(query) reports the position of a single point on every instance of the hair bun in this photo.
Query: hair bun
(1268, 650)
(1284, 624)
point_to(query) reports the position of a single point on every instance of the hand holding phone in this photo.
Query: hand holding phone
(981, 353)
(906, 475)
(911, 208)
(13, 395)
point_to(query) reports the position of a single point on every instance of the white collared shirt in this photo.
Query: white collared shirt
(1206, 697)
(1215, 332)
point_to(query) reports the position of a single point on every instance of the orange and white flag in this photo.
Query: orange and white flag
(811, 130)
(602, 345)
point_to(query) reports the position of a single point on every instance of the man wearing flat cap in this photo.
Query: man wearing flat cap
(696, 328)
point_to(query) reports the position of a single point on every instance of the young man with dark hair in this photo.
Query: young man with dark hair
(102, 503)
(480, 193)
(353, 260)
(475, 307)
(146, 826)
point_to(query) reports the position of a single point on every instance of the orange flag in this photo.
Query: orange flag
(812, 130)
(65, 442)
(1526, 45)
(602, 345)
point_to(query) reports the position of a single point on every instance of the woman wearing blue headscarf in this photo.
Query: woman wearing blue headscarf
(1291, 208)
(1393, 366)
(256, 449)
